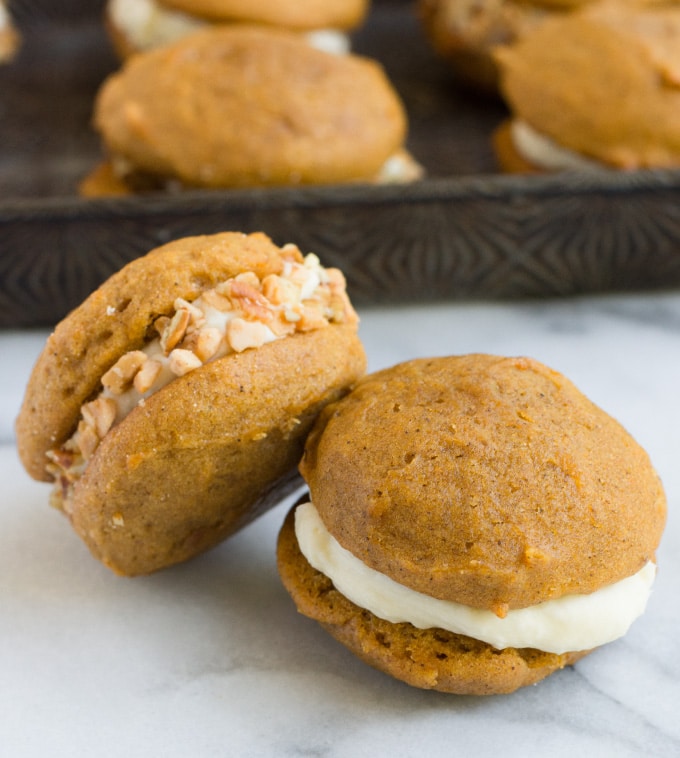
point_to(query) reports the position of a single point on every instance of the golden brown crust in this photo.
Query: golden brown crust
(509, 159)
(118, 317)
(625, 111)
(242, 106)
(489, 481)
(190, 466)
(465, 32)
(291, 14)
(427, 658)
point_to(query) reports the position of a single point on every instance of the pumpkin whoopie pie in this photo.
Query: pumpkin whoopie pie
(171, 407)
(596, 89)
(244, 106)
(474, 524)
(139, 25)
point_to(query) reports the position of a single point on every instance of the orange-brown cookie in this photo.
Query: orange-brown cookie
(138, 25)
(170, 405)
(292, 14)
(245, 106)
(601, 85)
(465, 32)
(487, 482)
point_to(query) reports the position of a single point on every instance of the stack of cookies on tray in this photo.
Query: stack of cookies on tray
(589, 85)
(224, 93)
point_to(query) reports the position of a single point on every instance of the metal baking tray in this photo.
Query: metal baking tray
(463, 232)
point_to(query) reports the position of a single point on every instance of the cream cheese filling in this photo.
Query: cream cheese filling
(147, 24)
(544, 152)
(567, 624)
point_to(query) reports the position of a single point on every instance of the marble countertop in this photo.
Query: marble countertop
(211, 659)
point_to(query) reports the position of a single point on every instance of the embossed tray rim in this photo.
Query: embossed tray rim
(480, 235)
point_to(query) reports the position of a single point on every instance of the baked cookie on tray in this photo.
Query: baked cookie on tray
(598, 89)
(139, 25)
(474, 524)
(171, 407)
(244, 106)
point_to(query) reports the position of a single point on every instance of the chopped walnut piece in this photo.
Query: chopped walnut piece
(312, 317)
(119, 377)
(146, 376)
(174, 332)
(250, 278)
(214, 299)
(207, 342)
(283, 326)
(88, 440)
(280, 291)
(250, 301)
(242, 334)
(183, 361)
(100, 414)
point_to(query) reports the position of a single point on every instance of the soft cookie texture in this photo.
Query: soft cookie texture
(603, 83)
(200, 457)
(292, 14)
(243, 106)
(465, 32)
(488, 481)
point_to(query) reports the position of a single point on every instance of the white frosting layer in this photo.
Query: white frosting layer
(566, 624)
(546, 153)
(147, 25)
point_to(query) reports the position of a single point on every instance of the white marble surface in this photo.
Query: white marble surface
(211, 659)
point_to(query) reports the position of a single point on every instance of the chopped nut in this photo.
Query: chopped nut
(207, 343)
(174, 332)
(280, 291)
(250, 278)
(100, 414)
(88, 441)
(194, 311)
(242, 334)
(214, 299)
(250, 301)
(119, 377)
(146, 376)
(283, 326)
(312, 317)
(183, 361)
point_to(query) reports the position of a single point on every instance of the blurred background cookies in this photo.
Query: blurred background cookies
(599, 88)
(242, 106)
